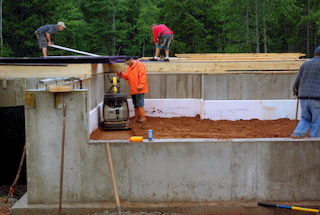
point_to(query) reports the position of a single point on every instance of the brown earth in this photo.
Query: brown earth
(194, 127)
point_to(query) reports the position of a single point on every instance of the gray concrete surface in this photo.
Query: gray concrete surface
(178, 170)
(233, 86)
(220, 208)
(11, 90)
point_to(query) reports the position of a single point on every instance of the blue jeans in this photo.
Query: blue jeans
(310, 118)
(138, 100)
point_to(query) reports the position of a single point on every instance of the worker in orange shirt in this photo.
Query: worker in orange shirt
(136, 75)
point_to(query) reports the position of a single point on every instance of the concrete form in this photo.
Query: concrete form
(192, 176)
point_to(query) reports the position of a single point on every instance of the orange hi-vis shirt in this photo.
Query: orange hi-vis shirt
(137, 77)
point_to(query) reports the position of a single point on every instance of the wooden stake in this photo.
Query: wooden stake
(297, 108)
(113, 178)
(18, 174)
(62, 157)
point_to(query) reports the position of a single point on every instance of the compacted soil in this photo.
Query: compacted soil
(194, 127)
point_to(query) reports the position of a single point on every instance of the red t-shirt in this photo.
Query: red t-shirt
(158, 29)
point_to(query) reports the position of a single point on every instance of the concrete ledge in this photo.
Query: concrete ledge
(216, 208)
(208, 140)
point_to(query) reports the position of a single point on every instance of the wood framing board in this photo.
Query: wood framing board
(227, 58)
(239, 55)
(41, 71)
(218, 67)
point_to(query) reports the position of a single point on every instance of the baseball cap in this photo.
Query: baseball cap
(317, 50)
(127, 58)
(62, 24)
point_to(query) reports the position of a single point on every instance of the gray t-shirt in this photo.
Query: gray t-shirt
(50, 29)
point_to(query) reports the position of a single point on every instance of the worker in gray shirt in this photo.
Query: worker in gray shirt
(46, 34)
(307, 87)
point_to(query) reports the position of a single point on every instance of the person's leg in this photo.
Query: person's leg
(45, 51)
(143, 117)
(159, 46)
(43, 44)
(136, 110)
(166, 47)
(315, 124)
(136, 114)
(167, 53)
(140, 105)
(305, 123)
(157, 53)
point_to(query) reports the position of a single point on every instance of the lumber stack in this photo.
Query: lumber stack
(241, 56)
(235, 57)
(224, 63)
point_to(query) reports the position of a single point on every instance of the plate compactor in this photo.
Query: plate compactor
(115, 109)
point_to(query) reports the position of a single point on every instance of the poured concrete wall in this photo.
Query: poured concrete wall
(11, 90)
(170, 86)
(232, 86)
(181, 170)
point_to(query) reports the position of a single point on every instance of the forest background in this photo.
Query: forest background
(122, 27)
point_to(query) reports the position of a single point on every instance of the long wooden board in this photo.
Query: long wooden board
(220, 55)
(218, 67)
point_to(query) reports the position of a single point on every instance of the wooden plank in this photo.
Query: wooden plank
(217, 55)
(220, 67)
(29, 99)
(71, 70)
(228, 58)
(60, 89)
(224, 67)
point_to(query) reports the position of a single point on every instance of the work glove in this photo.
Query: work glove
(119, 74)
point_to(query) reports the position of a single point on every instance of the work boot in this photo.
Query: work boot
(136, 114)
(296, 136)
(143, 117)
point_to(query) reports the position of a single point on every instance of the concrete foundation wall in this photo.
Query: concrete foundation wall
(232, 86)
(215, 170)
(181, 170)
(44, 131)
(256, 86)
(11, 90)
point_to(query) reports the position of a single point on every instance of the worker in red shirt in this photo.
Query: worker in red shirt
(162, 37)
(136, 75)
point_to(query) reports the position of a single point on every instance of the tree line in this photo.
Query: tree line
(122, 27)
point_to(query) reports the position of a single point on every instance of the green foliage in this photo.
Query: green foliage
(20, 19)
(122, 27)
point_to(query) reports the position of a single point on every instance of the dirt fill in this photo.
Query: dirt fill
(194, 127)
